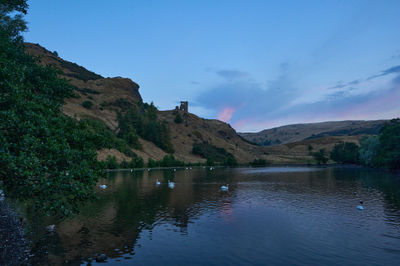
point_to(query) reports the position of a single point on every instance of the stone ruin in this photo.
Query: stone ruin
(184, 106)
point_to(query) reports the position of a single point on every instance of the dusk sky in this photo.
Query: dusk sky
(253, 64)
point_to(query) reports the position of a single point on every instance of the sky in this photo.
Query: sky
(253, 64)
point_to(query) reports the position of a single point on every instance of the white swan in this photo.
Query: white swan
(225, 188)
(158, 182)
(103, 186)
(360, 207)
(171, 184)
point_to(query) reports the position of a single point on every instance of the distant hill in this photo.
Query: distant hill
(299, 132)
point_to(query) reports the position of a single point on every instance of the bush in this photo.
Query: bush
(345, 152)
(87, 104)
(178, 118)
(259, 162)
(368, 150)
(214, 154)
(143, 122)
(320, 156)
(388, 154)
(46, 158)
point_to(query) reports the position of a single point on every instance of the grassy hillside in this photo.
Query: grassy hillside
(299, 132)
(101, 99)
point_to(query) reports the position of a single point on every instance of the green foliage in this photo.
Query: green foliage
(388, 154)
(111, 162)
(87, 104)
(259, 162)
(210, 162)
(178, 118)
(11, 21)
(46, 158)
(368, 150)
(214, 154)
(168, 161)
(345, 152)
(143, 122)
(152, 163)
(320, 156)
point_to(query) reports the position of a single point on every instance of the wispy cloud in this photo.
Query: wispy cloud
(253, 106)
(231, 74)
(392, 70)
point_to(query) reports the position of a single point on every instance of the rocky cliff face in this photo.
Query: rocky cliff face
(102, 92)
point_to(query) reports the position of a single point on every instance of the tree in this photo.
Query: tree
(368, 149)
(345, 152)
(11, 21)
(320, 156)
(388, 154)
(46, 158)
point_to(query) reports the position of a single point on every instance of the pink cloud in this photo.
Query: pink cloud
(226, 114)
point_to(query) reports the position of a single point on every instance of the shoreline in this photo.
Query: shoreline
(14, 247)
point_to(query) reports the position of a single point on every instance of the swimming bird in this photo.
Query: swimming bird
(158, 182)
(171, 184)
(360, 207)
(103, 186)
(131, 170)
(225, 188)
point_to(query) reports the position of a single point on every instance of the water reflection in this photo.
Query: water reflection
(269, 215)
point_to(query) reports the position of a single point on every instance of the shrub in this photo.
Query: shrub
(388, 154)
(178, 118)
(214, 154)
(320, 156)
(259, 162)
(87, 104)
(368, 150)
(345, 152)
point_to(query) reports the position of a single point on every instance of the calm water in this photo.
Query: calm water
(274, 216)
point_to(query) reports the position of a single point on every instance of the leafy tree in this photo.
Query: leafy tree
(259, 162)
(368, 149)
(143, 122)
(345, 152)
(46, 157)
(388, 154)
(210, 162)
(320, 156)
(213, 154)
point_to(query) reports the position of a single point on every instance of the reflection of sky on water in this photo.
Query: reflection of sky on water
(289, 169)
(269, 216)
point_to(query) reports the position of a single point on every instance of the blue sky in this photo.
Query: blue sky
(253, 64)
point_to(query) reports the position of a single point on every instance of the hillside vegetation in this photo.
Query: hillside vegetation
(299, 132)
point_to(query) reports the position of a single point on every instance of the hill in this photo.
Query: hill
(299, 132)
(101, 99)
(105, 97)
